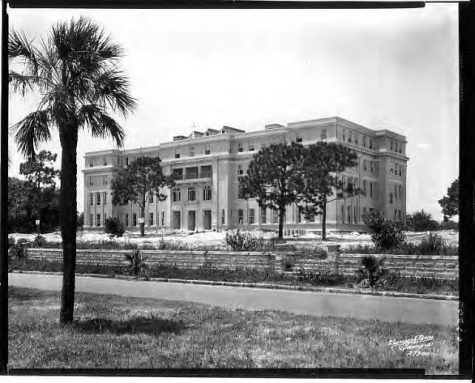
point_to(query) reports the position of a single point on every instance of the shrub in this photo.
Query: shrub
(39, 241)
(11, 241)
(421, 221)
(432, 244)
(243, 241)
(18, 249)
(114, 227)
(372, 269)
(322, 278)
(385, 234)
(137, 265)
(448, 225)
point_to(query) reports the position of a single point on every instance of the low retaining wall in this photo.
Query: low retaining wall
(444, 267)
(182, 259)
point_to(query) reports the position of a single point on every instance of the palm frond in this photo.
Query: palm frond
(100, 124)
(32, 130)
(111, 87)
(20, 47)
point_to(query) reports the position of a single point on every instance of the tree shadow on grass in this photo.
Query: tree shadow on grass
(137, 325)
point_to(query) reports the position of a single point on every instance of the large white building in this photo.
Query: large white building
(208, 164)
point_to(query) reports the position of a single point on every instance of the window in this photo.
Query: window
(356, 139)
(342, 214)
(391, 171)
(391, 145)
(91, 181)
(365, 165)
(252, 216)
(191, 173)
(372, 167)
(162, 218)
(91, 165)
(134, 219)
(104, 161)
(104, 198)
(192, 151)
(91, 219)
(391, 197)
(177, 155)
(263, 215)
(98, 198)
(400, 151)
(251, 146)
(150, 198)
(348, 208)
(364, 187)
(126, 220)
(400, 170)
(364, 141)
(400, 191)
(323, 134)
(355, 216)
(207, 149)
(223, 216)
(207, 193)
(177, 174)
(240, 148)
(399, 214)
(126, 161)
(371, 143)
(150, 219)
(299, 140)
(344, 135)
(240, 216)
(98, 220)
(395, 191)
(104, 180)
(176, 194)
(191, 193)
(206, 172)
(371, 189)
(240, 170)
(350, 137)
(91, 199)
(395, 214)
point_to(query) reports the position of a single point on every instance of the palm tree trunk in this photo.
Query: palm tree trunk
(68, 205)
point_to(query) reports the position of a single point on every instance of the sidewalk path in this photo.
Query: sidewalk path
(412, 310)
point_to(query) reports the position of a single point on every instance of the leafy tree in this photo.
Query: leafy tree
(41, 182)
(385, 234)
(273, 178)
(141, 179)
(421, 221)
(450, 202)
(26, 203)
(75, 73)
(39, 172)
(322, 161)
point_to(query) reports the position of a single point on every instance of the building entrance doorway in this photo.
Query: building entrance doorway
(176, 220)
(207, 219)
(191, 220)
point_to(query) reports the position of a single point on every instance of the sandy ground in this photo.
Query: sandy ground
(211, 238)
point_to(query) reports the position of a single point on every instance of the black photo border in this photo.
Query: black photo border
(466, 21)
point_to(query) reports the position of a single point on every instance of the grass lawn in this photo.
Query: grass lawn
(118, 332)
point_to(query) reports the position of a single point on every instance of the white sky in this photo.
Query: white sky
(384, 69)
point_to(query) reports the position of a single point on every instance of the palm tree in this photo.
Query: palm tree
(75, 72)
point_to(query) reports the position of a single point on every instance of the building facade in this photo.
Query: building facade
(207, 166)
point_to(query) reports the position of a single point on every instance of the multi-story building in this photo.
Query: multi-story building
(207, 166)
